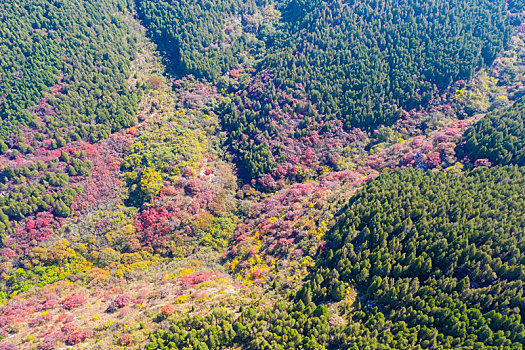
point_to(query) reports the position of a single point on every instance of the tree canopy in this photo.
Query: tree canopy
(64, 69)
(438, 253)
(499, 136)
(359, 62)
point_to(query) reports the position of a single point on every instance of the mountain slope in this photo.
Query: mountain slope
(437, 253)
(323, 67)
(237, 184)
(498, 137)
(65, 66)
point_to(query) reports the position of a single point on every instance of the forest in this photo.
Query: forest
(498, 137)
(360, 63)
(262, 174)
(63, 79)
(434, 263)
(434, 252)
(64, 70)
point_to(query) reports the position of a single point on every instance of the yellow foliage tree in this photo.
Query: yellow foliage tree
(151, 183)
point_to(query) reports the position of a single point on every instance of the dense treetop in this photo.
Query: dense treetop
(498, 137)
(438, 253)
(65, 64)
(204, 38)
(363, 59)
(358, 62)
(516, 6)
(300, 325)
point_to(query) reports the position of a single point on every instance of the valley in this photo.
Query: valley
(262, 175)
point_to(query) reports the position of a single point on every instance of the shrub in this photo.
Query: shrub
(7, 346)
(119, 302)
(167, 310)
(125, 339)
(74, 300)
(79, 336)
(48, 344)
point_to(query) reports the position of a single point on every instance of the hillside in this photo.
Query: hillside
(321, 66)
(427, 271)
(431, 253)
(499, 137)
(268, 174)
(58, 60)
